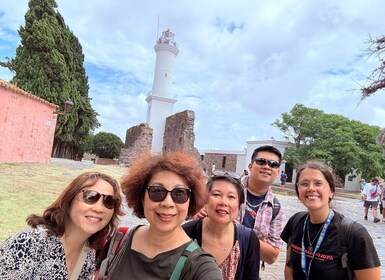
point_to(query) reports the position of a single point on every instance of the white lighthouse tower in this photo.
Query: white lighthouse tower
(160, 99)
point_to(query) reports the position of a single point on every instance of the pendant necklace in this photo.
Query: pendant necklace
(310, 247)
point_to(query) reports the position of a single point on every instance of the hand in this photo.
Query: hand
(201, 214)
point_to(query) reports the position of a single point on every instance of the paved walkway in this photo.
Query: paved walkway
(347, 206)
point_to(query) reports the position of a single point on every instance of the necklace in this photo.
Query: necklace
(310, 247)
(251, 205)
(212, 240)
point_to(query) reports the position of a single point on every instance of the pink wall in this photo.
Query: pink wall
(27, 126)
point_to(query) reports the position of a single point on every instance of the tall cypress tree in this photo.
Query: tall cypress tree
(49, 63)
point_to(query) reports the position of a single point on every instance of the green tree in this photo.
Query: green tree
(106, 145)
(346, 145)
(49, 63)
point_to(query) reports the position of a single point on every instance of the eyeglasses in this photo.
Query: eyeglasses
(159, 193)
(316, 183)
(271, 163)
(91, 197)
(233, 175)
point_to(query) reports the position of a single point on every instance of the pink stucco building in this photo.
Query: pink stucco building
(27, 126)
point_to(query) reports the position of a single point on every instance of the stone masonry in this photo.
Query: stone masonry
(138, 142)
(179, 134)
(224, 162)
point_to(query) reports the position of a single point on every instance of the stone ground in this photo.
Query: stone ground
(348, 206)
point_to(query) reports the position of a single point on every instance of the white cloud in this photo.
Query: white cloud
(241, 63)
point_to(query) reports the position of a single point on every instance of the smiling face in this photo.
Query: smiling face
(314, 190)
(166, 215)
(87, 219)
(262, 176)
(223, 202)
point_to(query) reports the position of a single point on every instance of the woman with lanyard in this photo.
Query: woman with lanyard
(313, 240)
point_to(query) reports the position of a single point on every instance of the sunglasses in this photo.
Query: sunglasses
(271, 163)
(91, 197)
(233, 175)
(159, 193)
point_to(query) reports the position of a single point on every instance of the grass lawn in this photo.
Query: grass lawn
(29, 188)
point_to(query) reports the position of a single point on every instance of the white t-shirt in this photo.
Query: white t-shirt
(369, 190)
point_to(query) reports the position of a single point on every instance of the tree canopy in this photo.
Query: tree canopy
(49, 63)
(106, 145)
(346, 145)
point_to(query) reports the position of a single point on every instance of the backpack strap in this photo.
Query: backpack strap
(113, 247)
(345, 236)
(182, 259)
(276, 207)
(297, 217)
(243, 239)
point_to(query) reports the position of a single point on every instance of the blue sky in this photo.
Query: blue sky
(241, 63)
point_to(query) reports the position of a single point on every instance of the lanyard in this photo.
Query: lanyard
(320, 239)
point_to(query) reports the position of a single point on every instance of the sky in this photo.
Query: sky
(241, 63)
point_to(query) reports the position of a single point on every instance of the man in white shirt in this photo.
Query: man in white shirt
(371, 194)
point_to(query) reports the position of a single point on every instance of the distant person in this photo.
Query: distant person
(61, 243)
(261, 211)
(212, 168)
(314, 240)
(165, 190)
(383, 202)
(362, 184)
(235, 247)
(245, 173)
(283, 179)
(371, 194)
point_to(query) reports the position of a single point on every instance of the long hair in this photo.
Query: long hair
(57, 216)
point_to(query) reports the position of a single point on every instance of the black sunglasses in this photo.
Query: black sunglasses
(159, 193)
(220, 173)
(272, 163)
(91, 197)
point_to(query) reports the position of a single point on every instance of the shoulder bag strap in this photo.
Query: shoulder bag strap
(182, 259)
(80, 262)
(345, 234)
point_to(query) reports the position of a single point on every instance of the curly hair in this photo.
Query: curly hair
(57, 216)
(185, 165)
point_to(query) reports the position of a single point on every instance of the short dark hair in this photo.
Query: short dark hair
(134, 184)
(323, 168)
(236, 182)
(267, 148)
(374, 179)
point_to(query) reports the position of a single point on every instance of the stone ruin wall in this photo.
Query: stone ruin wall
(138, 142)
(218, 160)
(179, 134)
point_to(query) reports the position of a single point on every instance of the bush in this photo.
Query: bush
(106, 145)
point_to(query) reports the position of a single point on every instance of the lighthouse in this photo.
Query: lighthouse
(160, 99)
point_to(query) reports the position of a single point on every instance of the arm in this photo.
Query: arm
(200, 215)
(269, 253)
(270, 245)
(370, 273)
(288, 270)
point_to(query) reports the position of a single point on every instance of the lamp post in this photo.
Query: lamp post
(67, 108)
